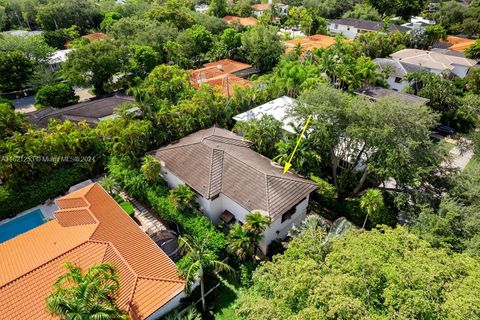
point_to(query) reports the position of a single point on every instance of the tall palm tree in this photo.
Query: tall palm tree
(183, 196)
(201, 259)
(86, 296)
(255, 224)
(238, 241)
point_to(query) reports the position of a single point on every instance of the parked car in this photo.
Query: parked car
(445, 130)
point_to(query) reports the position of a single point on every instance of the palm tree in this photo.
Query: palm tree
(151, 168)
(200, 260)
(86, 296)
(183, 196)
(109, 184)
(255, 225)
(371, 203)
(238, 241)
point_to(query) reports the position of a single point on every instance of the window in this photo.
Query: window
(398, 80)
(335, 26)
(288, 215)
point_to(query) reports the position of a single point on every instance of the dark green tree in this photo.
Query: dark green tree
(56, 96)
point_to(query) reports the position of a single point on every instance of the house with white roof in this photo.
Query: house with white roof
(277, 108)
(57, 58)
(434, 62)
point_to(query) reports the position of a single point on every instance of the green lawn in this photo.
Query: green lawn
(223, 300)
(473, 164)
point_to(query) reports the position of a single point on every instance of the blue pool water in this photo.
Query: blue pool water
(21, 224)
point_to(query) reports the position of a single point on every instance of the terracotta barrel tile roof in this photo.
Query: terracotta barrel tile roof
(215, 161)
(90, 228)
(246, 22)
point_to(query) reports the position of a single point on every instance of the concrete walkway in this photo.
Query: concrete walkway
(459, 159)
(149, 223)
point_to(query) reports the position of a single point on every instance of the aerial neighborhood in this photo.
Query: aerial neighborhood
(239, 159)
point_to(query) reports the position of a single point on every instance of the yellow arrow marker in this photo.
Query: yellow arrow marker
(288, 164)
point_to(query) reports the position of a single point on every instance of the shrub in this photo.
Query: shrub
(56, 96)
(127, 206)
(155, 195)
(38, 191)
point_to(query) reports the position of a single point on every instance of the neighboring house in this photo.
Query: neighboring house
(226, 74)
(23, 33)
(202, 8)
(397, 71)
(58, 57)
(259, 9)
(89, 228)
(375, 93)
(418, 23)
(246, 22)
(311, 43)
(277, 108)
(92, 111)
(232, 180)
(434, 62)
(350, 28)
(454, 44)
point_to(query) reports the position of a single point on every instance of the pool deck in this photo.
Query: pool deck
(47, 211)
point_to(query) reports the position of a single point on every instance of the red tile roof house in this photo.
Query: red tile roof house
(232, 180)
(89, 228)
(226, 74)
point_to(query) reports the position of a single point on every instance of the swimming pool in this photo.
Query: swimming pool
(21, 224)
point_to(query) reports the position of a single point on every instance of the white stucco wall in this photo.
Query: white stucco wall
(214, 208)
(347, 31)
(400, 86)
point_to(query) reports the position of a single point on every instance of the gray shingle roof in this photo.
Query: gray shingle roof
(214, 161)
(369, 25)
(376, 93)
(400, 68)
(90, 111)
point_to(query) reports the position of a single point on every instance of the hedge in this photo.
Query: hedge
(38, 191)
(155, 195)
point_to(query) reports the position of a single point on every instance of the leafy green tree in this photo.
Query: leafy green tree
(255, 225)
(198, 262)
(241, 8)
(450, 16)
(176, 12)
(34, 47)
(424, 38)
(194, 42)
(262, 47)
(58, 38)
(378, 44)
(15, 70)
(263, 133)
(183, 196)
(364, 138)
(300, 16)
(228, 45)
(402, 8)
(372, 204)
(110, 18)
(165, 82)
(376, 274)
(56, 96)
(473, 52)
(142, 60)
(65, 13)
(472, 80)
(89, 295)
(10, 121)
(218, 8)
(95, 64)
(151, 168)
(363, 11)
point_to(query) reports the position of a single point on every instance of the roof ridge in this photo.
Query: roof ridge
(46, 262)
(306, 181)
(210, 173)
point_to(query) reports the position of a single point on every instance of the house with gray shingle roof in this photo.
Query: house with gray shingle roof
(350, 27)
(232, 180)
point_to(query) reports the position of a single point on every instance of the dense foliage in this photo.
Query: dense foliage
(380, 274)
(56, 96)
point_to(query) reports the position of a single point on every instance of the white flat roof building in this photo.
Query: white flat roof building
(277, 108)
